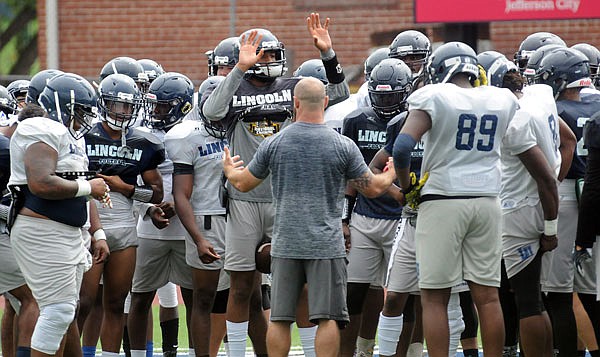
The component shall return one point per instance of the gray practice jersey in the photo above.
(309, 166)
(234, 94)
(188, 143)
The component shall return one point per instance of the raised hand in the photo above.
(319, 32)
(248, 57)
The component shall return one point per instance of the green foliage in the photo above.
(12, 51)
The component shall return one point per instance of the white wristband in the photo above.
(84, 188)
(99, 235)
(551, 227)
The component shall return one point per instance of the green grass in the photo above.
(183, 334)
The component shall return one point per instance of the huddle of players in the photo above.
(190, 223)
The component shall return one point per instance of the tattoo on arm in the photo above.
(362, 182)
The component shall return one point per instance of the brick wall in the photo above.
(176, 33)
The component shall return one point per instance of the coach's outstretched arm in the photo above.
(373, 185)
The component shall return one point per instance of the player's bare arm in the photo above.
(182, 192)
(319, 32)
(568, 141)
(40, 166)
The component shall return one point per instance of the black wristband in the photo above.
(349, 202)
(334, 71)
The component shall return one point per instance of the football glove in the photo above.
(482, 78)
(413, 194)
(579, 257)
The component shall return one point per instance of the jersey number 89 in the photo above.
(470, 128)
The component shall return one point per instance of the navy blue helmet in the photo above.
(170, 98)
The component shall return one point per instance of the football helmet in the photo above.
(214, 128)
(152, 70)
(119, 101)
(268, 71)
(170, 98)
(127, 66)
(412, 47)
(373, 60)
(226, 54)
(564, 68)
(593, 55)
(69, 98)
(312, 68)
(496, 65)
(532, 43)
(18, 89)
(534, 61)
(8, 104)
(390, 84)
(450, 59)
(37, 84)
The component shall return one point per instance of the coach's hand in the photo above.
(347, 238)
(548, 243)
(206, 252)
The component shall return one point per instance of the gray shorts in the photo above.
(326, 278)
(10, 274)
(121, 238)
(215, 235)
(586, 283)
(402, 274)
(158, 262)
(248, 223)
(458, 239)
(51, 257)
(372, 240)
(521, 231)
(558, 268)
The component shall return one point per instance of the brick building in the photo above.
(176, 33)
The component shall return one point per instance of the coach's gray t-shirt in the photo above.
(309, 164)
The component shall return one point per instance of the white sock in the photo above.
(388, 332)
(456, 324)
(364, 347)
(191, 352)
(415, 350)
(138, 353)
(307, 339)
(236, 338)
(114, 354)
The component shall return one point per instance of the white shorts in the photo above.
(52, 258)
(372, 240)
(521, 231)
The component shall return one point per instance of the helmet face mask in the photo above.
(8, 105)
(69, 99)
(120, 101)
(169, 100)
(390, 84)
(274, 50)
(412, 47)
(532, 43)
(224, 57)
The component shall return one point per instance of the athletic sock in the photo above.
(149, 348)
(23, 351)
(170, 330)
(109, 354)
(138, 353)
(88, 351)
(236, 338)
(388, 332)
(191, 352)
(307, 339)
(472, 352)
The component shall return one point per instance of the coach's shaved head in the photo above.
(310, 99)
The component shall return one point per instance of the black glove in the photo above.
(579, 257)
